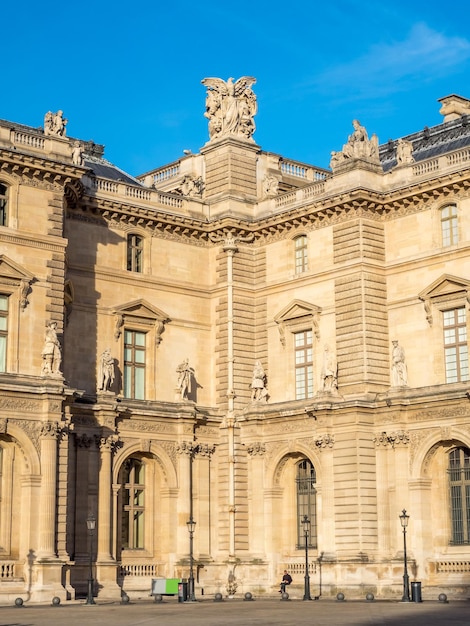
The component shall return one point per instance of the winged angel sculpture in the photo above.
(230, 107)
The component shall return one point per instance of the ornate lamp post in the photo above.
(191, 526)
(91, 525)
(306, 525)
(404, 518)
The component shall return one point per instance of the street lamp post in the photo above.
(91, 525)
(404, 518)
(306, 525)
(191, 526)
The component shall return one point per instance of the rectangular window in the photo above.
(449, 225)
(3, 332)
(134, 364)
(301, 256)
(303, 365)
(3, 205)
(455, 345)
(134, 253)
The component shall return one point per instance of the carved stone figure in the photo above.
(358, 146)
(190, 186)
(51, 353)
(329, 373)
(258, 383)
(399, 370)
(270, 186)
(106, 371)
(404, 152)
(230, 107)
(54, 123)
(184, 379)
(77, 154)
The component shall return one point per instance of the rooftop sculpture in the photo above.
(230, 107)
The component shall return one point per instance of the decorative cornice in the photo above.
(311, 214)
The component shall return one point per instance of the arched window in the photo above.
(459, 486)
(306, 502)
(301, 254)
(132, 496)
(449, 225)
(135, 251)
(3, 204)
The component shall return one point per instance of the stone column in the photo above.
(186, 450)
(257, 523)
(326, 498)
(202, 506)
(47, 509)
(107, 446)
(105, 564)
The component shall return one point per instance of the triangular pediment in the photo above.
(446, 285)
(295, 310)
(11, 270)
(143, 310)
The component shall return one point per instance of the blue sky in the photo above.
(128, 75)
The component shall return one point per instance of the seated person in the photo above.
(286, 580)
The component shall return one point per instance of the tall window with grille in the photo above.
(135, 249)
(303, 365)
(3, 204)
(133, 504)
(301, 254)
(306, 502)
(134, 364)
(449, 225)
(459, 485)
(3, 332)
(455, 345)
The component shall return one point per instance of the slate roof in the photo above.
(104, 169)
(430, 142)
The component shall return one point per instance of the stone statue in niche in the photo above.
(106, 371)
(230, 107)
(358, 146)
(329, 374)
(183, 385)
(54, 123)
(404, 152)
(51, 352)
(399, 369)
(258, 383)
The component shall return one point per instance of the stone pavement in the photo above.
(259, 612)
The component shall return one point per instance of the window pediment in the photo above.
(11, 270)
(444, 291)
(13, 275)
(297, 313)
(143, 315)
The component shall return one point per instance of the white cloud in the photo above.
(390, 67)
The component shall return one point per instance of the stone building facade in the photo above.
(242, 341)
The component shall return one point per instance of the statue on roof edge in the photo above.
(230, 107)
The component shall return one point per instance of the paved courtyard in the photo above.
(257, 612)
